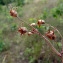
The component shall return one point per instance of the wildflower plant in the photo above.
(47, 36)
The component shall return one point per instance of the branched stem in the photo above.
(61, 38)
(55, 29)
(47, 41)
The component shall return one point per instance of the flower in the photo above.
(13, 13)
(50, 34)
(33, 24)
(40, 22)
(22, 30)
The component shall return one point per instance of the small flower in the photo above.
(13, 13)
(40, 22)
(33, 24)
(50, 34)
(22, 30)
(30, 33)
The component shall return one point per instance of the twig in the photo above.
(4, 59)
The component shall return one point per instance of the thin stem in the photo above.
(61, 38)
(55, 29)
(22, 20)
(49, 43)
(62, 50)
(4, 59)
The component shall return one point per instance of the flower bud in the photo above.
(22, 30)
(13, 13)
(30, 33)
(40, 22)
(33, 24)
(51, 35)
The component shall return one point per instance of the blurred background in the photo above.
(15, 48)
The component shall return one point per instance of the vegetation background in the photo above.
(15, 48)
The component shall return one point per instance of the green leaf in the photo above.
(59, 44)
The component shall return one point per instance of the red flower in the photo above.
(50, 34)
(40, 22)
(22, 30)
(13, 13)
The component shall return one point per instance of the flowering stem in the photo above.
(61, 38)
(49, 43)
(55, 29)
